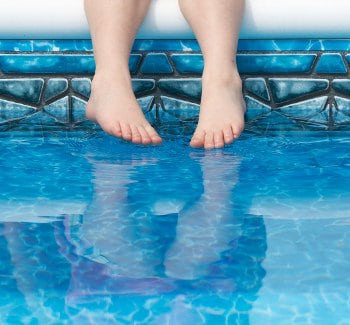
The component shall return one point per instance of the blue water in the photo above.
(97, 231)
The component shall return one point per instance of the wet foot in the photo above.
(113, 106)
(221, 118)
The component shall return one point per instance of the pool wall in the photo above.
(299, 83)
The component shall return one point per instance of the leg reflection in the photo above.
(205, 229)
(108, 233)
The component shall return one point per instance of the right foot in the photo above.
(114, 107)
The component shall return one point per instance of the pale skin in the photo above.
(112, 104)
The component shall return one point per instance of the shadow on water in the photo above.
(163, 235)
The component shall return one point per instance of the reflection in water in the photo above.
(200, 245)
(154, 236)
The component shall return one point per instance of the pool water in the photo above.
(97, 231)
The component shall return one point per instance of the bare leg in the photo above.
(112, 102)
(216, 25)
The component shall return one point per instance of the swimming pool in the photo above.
(97, 231)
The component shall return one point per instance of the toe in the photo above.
(136, 136)
(126, 131)
(116, 130)
(144, 135)
(218, 139)
(237, 130)
(209, 140)
(228, 135)
(156, 139)
(198, 138)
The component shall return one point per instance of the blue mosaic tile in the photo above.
(16, 45)
(294, 45)
(189, 45)
(55, 87)
(54, 63)
(156, 63)
(78, 109)
(13, 111)
(331, 45)
(341, 113)
(284, 89)
(46, 45)
(342, 86)
(134, 62)
(258, 87)
(255, 109)
(72, 45)
(140, 86)
(59, 109)
(275, 45)
(331, 63)
(82, 86)
(306, 109)
(25, 89)
(188, 63)
(347, 57)
(275, 63)
(178, 109)
(29, 63)
(190, 88)
(185, 45)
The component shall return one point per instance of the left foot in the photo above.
(221, 118)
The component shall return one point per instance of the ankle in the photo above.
(102, 79)
(224, 79)
(225, 74)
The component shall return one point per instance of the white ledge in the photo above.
(45, 19)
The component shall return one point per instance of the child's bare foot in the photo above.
(221, 118)
(113, 105)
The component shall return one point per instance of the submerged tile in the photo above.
(38, 119)
(190, 88)
(255, 109)
(342, 86)
(140, 86)
(78, 109)
(275, 121)
(307, 110)
(82, 86)
(11, 111)
(59, 109)
(258, 87)
(341, 114)
(155, 63)
(25, 89)
(284, 89)
(188, 63)
(275, 63)
(146, 104)
(178, 109)
(55, 87)
(331, 63)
